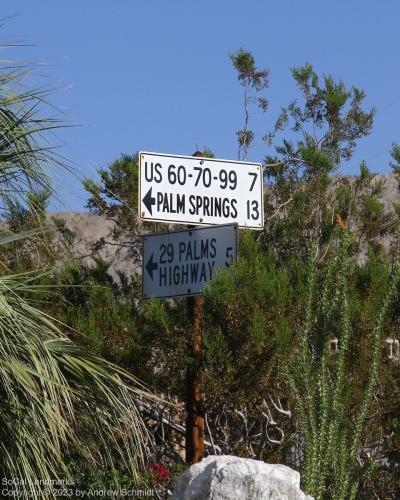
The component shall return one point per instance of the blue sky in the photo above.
(155, 75)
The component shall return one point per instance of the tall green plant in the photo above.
(319, 131)
(254, 81)
(331, 423)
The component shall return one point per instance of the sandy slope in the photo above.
(89, 228)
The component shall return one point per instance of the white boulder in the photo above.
(232, 478)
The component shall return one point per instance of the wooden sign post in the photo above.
(195, 435)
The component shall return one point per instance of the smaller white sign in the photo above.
(180, 263)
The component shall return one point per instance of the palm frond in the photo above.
(48, 385)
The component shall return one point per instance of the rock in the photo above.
(232, 478)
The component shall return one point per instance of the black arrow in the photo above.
(151, 266)
(149, 201)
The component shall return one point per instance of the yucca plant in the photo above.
(49, 388)
(331, 423)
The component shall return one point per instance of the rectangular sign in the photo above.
(181, 263)
(200, 191)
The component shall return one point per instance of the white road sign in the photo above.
(200, 191)
(181, 263)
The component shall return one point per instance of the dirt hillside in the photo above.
(89, 228)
